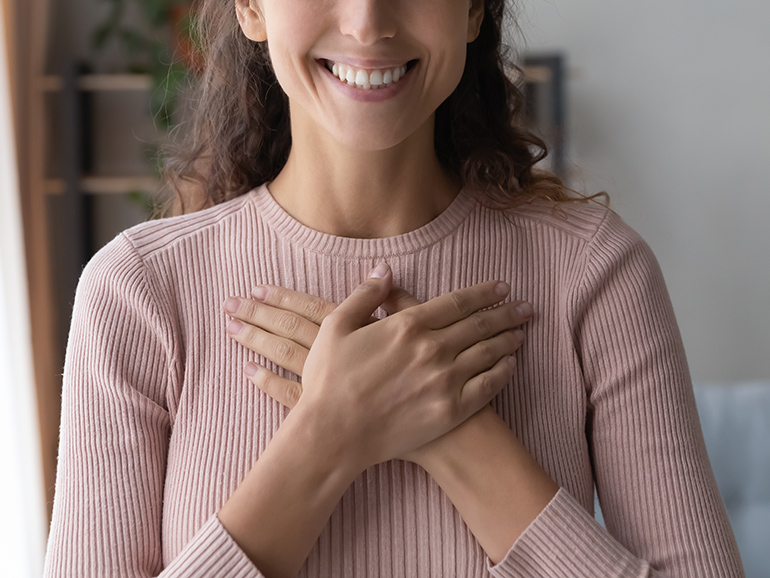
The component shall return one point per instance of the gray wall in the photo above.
(669, 112)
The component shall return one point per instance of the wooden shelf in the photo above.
(537, 74)
(143, 82)
(115, 185)
(100, 82)
(98, 185)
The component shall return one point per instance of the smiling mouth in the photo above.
(368, 79)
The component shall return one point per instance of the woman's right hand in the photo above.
(384, 389)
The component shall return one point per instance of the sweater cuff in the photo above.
(564, 540)
(212, 552)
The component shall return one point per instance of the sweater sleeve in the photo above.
(121, 362)
(659, 498)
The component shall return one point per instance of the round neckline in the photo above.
(291, 229)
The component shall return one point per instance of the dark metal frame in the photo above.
(553, 127)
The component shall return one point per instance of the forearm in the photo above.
(492, 480)
(283, 504)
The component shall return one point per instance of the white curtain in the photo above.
(22, 511)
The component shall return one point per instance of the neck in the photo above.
(365, 194)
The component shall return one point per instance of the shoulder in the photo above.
(586, 229)
(152, 237)
(134, 260)
(600, 230)
(596, 241)
(580, 220)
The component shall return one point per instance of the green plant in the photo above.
(149, 46)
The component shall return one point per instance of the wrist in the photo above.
(295, 484)
(324, 443)
(492, 480)
(443, 453)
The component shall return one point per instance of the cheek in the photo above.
(291, 67)
(446, 70)
(290, 37)
(445, 37)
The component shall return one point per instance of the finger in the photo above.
(485, 324)
(310, 307)
(281, 351)
(452, 307)
(355, 311)
(282, 390)
(481, 389)
(485, 354)
(279, 322)
(398, 300)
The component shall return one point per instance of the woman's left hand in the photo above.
(281, 325)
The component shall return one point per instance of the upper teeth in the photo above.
(365, 78)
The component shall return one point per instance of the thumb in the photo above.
(355, 311)
(398, 300)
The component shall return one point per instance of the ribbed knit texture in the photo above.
(159, 424)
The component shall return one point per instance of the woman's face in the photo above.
(368, 73)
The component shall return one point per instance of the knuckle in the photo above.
(487, 353)
(284, 353)
(292, 393)
(406, 325)
(461, 303)
(365, 287)
(332, 322)
(288, 324)
(447, 405)
(481, 323)
(451, 409)
(314, 309)
(487, 386)
(428, 350)
(246, 310)
(279, 297)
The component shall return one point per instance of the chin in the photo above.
(380, 136)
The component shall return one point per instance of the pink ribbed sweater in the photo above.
(159, 424)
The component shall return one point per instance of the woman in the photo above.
(383, 139)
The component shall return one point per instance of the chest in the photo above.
(394, 520)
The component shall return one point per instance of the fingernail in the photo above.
(259, 293)
(234, 327)
(511, 362)
(525, 309)
(379, 271)
(251, 369)
(502, 289)
(231, 305)
(519, 335)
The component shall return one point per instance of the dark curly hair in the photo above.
(239, 136)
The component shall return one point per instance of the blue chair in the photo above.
(736, 426)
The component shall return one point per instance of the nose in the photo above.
(367, 21)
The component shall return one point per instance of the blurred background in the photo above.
(663, 105)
